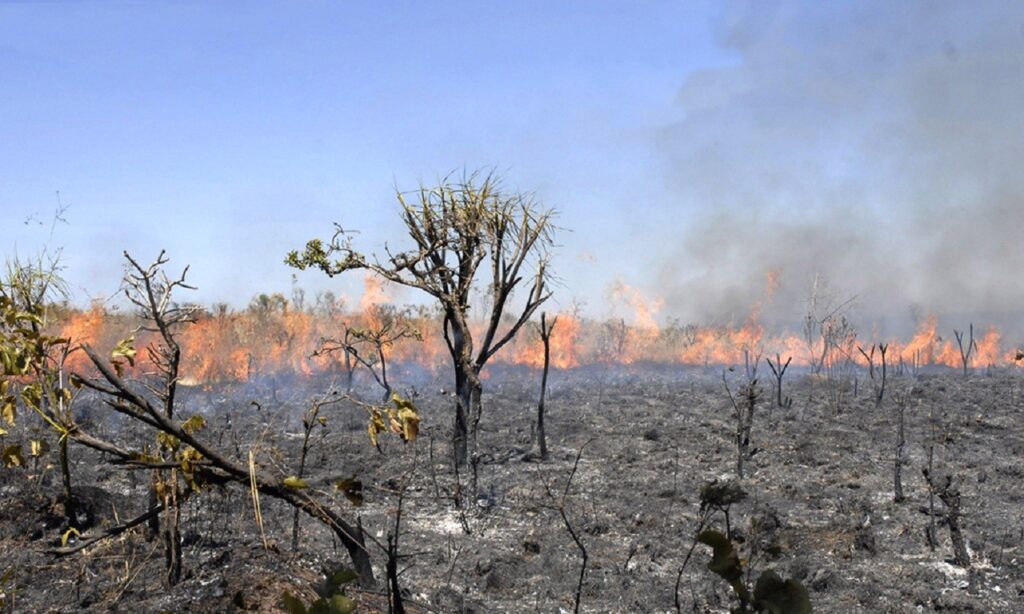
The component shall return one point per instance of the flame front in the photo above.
(271, 336)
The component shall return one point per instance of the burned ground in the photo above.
(819, 504)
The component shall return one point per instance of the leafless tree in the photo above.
(310, 420)
(968, 349)
(839, 337)
(744, 406)
(779, 370)
(562, 508)
(368, 345)
(613, 345)
(878, 375)
(545, 335)
(822, 322)
(902, 400)
(150, 290)
(949, 494)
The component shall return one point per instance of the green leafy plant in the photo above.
(32, 363)
(7, 590)
(331, 593)
(771, 594)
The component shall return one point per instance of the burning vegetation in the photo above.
(275, 335)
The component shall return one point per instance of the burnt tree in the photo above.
(187, 460)
(779, 370)
(901, 441)
(743, 405)
(369, 345)
(945, 489)
(877, 374)
(966, 350)
(545, 337)
(466, 234)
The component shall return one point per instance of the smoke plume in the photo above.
(877, 145)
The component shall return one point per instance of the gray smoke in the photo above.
(879, 145)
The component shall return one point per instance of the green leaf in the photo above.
(25, 316)
(405, 420)
(352, 488)
(10, 411)
(342, 604)
(295, 482)
(376, 425)
(32, 396)
(38, 447)
(292, 604)
(724, 561)
(12, 456)
(167, 441)
(336, 582)
(67, 535)
(194, 424)
(775, 596)
(124, 348)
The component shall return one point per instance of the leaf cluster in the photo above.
(28, 354)
(771, 594)
(460, 230)
(403, 419)
(332, 598)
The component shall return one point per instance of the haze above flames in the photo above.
(876, 144)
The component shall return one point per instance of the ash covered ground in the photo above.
(819, 503)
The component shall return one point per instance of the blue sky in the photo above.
(690, 147)
(229, 133)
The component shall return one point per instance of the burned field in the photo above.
(478, 454)
(817, 505)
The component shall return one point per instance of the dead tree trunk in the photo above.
(965, 352)
(744, 414)
(65, 476)
(950, 497)
(750, 397)
(460, 345)
(779, 370)
(476, 405)
(877, 376)
(883, 348)
(901, 405)
(172, 529)
(545, 336)
(930, 529)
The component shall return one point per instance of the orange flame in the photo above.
(271, 337)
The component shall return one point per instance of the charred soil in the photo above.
(819, 505)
